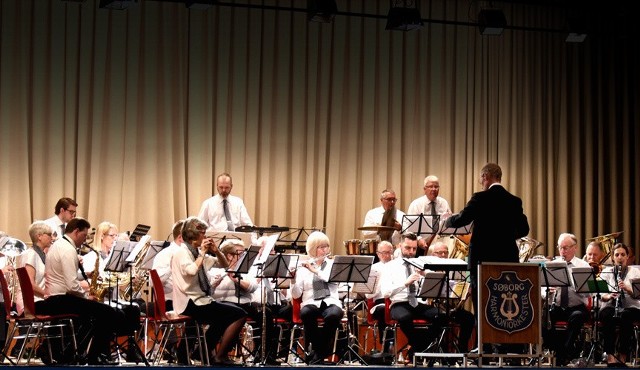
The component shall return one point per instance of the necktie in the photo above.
(62, 228)
(320, 287)
(564, 293)
(227, 215)
(411, 295)
(433, 208)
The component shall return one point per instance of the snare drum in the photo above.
(369, 246)
(352, 246)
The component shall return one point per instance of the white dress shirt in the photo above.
(162, 265)
(628, 301)
(31, 258)
(184, 273)
(226, 289)
(61, 269)
(378, 270)
(212, 213)
(423, 205)
(55, 223)
(374, 218)
(395, 275)
(303, 286)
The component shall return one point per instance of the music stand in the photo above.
(120, 258)
(244, 264)
(350, 269)
(278, 268)
(553, 274)
(449, 230)
(586, 281)
(295, 238)
(421, 224)
(635, 286)
(140, 231)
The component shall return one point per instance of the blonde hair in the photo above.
(315, 239)
(102, 230)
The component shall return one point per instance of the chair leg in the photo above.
(295, 346)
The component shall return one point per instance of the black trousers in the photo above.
(320, 339)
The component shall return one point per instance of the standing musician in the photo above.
(65, 210)
(385, 215)
(569, 306)
(192, 293)
(622, 307)
(431, 204)
(400, 283)
(319, 297)
(224, 211)
(65, 296)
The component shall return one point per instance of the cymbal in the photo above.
(376, 228)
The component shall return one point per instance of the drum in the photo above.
(352, 246)
(369, 246)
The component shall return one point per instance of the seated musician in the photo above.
(594, 255)
(621, 309)
(459, 314)
(238, 289)
(400, 284)
(64, 295)
(192, 293)
(385, 254)
(104, 241)
(570, 307)
(319, 298)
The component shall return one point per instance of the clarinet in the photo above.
(618, 304)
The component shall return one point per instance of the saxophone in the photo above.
(96, 288)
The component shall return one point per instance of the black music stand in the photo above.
(421, 224)
(586, 280)
(553, 274)
(350, 269)
(244, 264)
(140, 231)
(294, 239)
(120, 259)
(277, 268)
(219, 237)
(635, 286)
(462, 230)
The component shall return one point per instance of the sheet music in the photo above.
(266, 251)
(366, 288)
(138, 247)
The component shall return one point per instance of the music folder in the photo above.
(432, 284)
(585, 281)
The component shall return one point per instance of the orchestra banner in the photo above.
(510, 304)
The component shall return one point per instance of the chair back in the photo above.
(295, 305)
(160, 307)
(370, 305)
(6, 296)
(27, 292)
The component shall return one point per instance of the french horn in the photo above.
(527, 248)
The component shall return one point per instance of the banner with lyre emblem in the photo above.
(509, 300)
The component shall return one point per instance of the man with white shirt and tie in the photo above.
(431, 204)
(65, 210)
(400, 284)
(223, 211)
(570, 306)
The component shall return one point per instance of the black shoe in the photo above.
(272, 361)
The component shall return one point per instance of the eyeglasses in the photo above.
(111, 235)
(390, 199)
(72, 211)
(323, 246)
(565, 247)
(385, 253)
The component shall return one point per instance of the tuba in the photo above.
(527, 248)
(459, 249)
(12, 248)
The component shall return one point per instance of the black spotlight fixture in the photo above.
(116, 4)
(491, 22)
(404, 16)
(577, 27)
(199, 4)
(321, 10)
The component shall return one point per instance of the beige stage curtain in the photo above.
(133, 113)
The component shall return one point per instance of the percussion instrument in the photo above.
(369, 246)
(353, 246)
